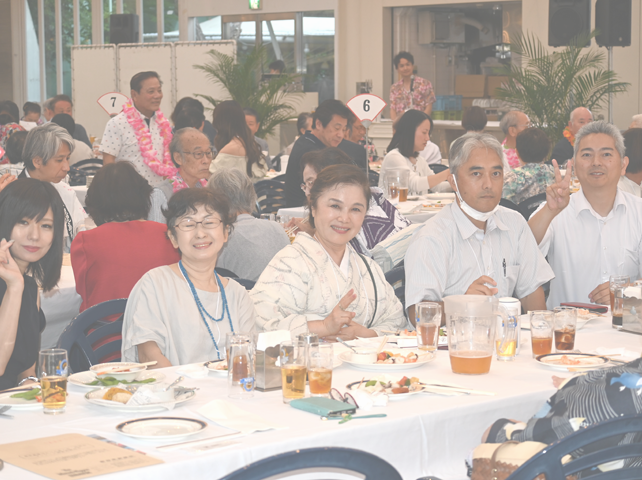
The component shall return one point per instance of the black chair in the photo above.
(89, 339)
(248, 284)
(438, 167)
(279, 178)
(528, 206)
(397, 278)
(270, 196)
(321, 459)
(508, 204)
(373, 178)
(549, 460)
(224, 272)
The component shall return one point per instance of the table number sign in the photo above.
(366, 107)
(113, 102)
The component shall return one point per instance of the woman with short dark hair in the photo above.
(110, 259)
(31, 229)
(411, 92)
(319, 284)
(180, 313)
(474, 120)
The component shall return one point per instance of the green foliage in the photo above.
(549, 86)
(242, 81)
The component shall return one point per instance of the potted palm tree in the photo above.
(549, 86)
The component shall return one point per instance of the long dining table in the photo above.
(424, 434)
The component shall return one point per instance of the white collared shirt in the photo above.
(419, 171)
(449, 253)
(629, 186)
(585, 248)
(120, 141)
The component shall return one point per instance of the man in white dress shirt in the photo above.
(596, 232)
(119, 141)
(474, 246)
(46, 157)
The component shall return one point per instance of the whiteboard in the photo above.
(93, 73)
(190, 80)
(158, 57)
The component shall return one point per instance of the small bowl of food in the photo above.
(120, 371)
(364, 356)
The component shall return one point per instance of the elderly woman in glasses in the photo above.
(180, 313)
(191, 153)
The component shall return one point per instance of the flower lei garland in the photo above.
(143, 136)
(569, 136)
(179, 184)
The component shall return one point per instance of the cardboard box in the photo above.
(466, 102)
(470, 85)
(493, 83)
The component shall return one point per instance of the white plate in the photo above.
(216, 371)
(81, 379)
(96, 397)
(393, 397)
(19, 403)
(161, 428)
(587, 362)
(105, 370)
(582, 320)
(439, 196)
(388, 367)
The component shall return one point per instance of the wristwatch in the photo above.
(27, 378)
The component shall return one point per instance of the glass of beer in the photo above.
(293, 370)
(541, 332)
(565, 322)
(240, 367)
(471, 343)
(320, 360)
(53, 371)
(617, 283)
(397, 185)
(428, 316)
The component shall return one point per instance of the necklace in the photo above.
(201, 308)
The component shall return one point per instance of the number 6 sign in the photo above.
(112, 102)
(366, 106)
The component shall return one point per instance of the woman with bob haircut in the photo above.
(235, 143)
(411, 136)
(32, 220)
(180, 313)
(110, 259)
(319, 284)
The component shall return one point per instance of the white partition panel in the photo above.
(93, 73)
(189, 80)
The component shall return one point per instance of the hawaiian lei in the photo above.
(569, 136)
(164, 168)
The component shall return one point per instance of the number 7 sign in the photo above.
(113, 102)
(366, 106)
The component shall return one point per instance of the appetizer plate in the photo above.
(96, 397)
(393, 397)
(439, 196)
(387, 367)
(105, 370)
(218, 368)
(81, 379)
(161, 428)
(569, 362)
(19, 403)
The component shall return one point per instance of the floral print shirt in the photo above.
(525, 182)
(511, 155)
(402, 100)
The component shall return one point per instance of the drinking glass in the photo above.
(616, 283)
(293, 370)
(240, 369)
(428, 316)
(541, 332)
(506, 341)
(52, 372)
(397, 185)
(320, 360)
(267, 216)
(565, 323)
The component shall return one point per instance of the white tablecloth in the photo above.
(60, 306)
(422, 435)
(81, 193)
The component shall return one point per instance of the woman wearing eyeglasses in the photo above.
(180, 313)
(110, 259)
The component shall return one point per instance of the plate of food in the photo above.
(218, 367)
(388, 360)
(440, 196)
(396, 388)
(22, 399)
(118, 370)
(117, 399)
(88, 379)
(571, 361)
(161, 428)
(584, 316)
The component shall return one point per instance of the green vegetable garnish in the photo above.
(111, 381)
(407, 383)
(30, 395)
(371, 383)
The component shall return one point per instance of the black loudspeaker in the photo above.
(123, 28)
(568, 19)
(613, 22)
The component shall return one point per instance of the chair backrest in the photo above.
(90, 339)
(549, 460)
(248, 284)
(438, 167)
(373, 178)
(397, 278)
(528, 206)
(94, 163)
(330, 458)
(508, 204)
(224, 272)
(271, 195)
(279, 178)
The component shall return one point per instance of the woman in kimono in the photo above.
(319, 284)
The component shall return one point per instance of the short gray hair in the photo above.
(44, 142)
(176, 145)
(601, 127)
(637, 120)
(237, 187)
(509, 120)
(47, 104)
(463, 147)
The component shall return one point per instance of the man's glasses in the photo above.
(188, 225)
(198, 154)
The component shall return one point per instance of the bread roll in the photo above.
(117, 395)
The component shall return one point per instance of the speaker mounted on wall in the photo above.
(613, 23)
(566, 20)
(123, 28)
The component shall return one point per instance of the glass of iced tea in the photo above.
(541, 332)
(53, 371)
(293, 370)
(320, 360)
(471, 343)
(428, 316)
(565, 322)
(616, 284)
(240, 367)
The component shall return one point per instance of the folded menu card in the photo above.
(72, 456)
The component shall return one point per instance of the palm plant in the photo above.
(242, 81)
(549, 86)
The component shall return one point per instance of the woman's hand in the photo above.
(9, 271)
(354, 330)
(5, 180)
(338, 317)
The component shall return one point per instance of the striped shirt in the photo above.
(449, 253)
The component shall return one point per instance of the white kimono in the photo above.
(302, 283)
